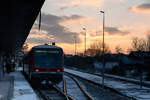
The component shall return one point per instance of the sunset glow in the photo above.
(62, 20)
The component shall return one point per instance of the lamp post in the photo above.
(103, 49)
(85, 42)
(75, 52)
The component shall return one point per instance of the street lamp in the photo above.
(85, 42)
(103, 49)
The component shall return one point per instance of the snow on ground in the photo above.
(129, 89)
(128, 79)
(1, 96)
(19, 68)
(73, 90)
(109, 65)
(22, 89)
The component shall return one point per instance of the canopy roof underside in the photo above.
(17, 18)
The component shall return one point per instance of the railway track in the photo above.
(75, 89)
(95, 94)
(63, 92)
(71, 88)
(51, 93)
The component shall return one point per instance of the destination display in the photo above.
(41, 51)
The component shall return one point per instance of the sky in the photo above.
(62, 20)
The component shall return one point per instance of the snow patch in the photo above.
(127, 88)
(1, 96)
(109, 65)
(22, 89)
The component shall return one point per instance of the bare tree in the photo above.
(129, 50)
(118, 49)
(139, 44)
(135, 43)
(106, 49)
(95, 49)
(148, 42)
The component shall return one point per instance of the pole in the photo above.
(103, 60)
(75, 45)
(85, 42)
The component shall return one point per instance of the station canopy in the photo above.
(16, 20)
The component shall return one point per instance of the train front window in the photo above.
(48, 58)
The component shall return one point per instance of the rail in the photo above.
(81, 88)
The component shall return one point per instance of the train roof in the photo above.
(46, 46)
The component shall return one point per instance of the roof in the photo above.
(46, 46)
(17, 18)
(139, 54)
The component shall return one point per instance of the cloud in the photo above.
(115, 30)
(73, 18)
(87, 2)
(95, 33)
(52, 19)
(121, 31)
(148, 32)
(77, 3)
(52, 30)
(64, 7)
(66, 4)
(37, 40)
(109, 31)
(39, 37)
(144, 8)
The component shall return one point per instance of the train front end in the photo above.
(48, 64)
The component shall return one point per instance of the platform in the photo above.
(6, 87)
(15, 87)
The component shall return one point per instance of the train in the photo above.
(44, 63)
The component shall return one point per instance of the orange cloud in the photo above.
(87, 2)
(76, 3)
(119, 31)
(143, 8)
(109, 39)
(74, 19)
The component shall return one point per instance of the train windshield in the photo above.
(48, 58)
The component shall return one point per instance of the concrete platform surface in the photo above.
(15, 87)
(6, 87)
(22, 89)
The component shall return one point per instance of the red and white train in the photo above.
(44, 62)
